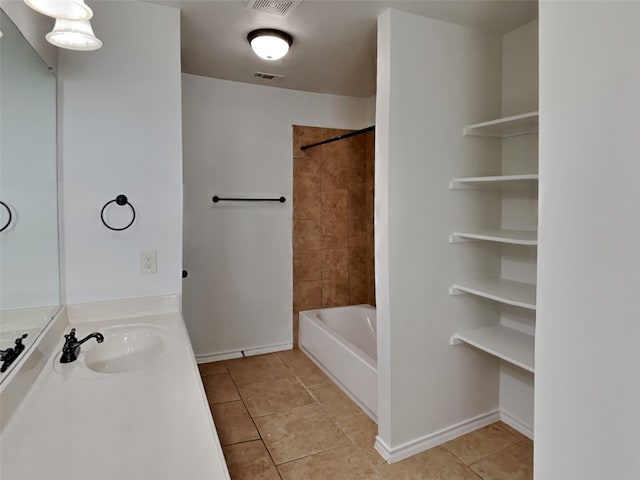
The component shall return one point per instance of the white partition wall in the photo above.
(430, 391)
(587, 398)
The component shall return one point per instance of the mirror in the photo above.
(29, 262)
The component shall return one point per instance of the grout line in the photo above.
(222, 403)
(495, 453)
(257, 429)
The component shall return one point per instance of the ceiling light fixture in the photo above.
(73, 35)
(269, 43)
(66, 9)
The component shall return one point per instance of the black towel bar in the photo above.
(217, 199)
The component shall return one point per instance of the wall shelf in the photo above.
(500, 290)
(498, 181)
(513, 237)
(506, 343)
(512, 126)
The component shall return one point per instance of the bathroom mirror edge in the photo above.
(29, 246)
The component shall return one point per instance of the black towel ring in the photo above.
(121, 200)
(6, 225)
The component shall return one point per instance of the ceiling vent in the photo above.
(268, 76)
(280, 8)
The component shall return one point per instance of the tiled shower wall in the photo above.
(333, 254)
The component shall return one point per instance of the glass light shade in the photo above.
(66, 9)
(270, 44)
(73, 35)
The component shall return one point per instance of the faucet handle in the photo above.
(71, 335)
(18, 340)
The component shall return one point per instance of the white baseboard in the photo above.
(247, 352)
(516, 424)
(434, 439)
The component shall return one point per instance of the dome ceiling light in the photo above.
(66, 9)
(73, 35)
(270, 44)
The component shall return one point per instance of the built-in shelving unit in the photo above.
(498, 181)
(506, 343)
(512, 126)
(518, 294)
(509, 344)
(513, 237)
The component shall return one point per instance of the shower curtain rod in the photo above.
(339, 137)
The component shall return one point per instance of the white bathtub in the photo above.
(342, 341)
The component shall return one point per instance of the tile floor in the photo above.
(280, 417)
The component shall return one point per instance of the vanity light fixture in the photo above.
(270, 44)
(65, 9)
(73, 35)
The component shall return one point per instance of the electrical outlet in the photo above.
(148, 261)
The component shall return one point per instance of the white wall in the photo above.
(29, 274)
(371, 110)
(121, 133)
(519, 209)
(587, 411)
(34, 27)
(425, 385)
(238, 142)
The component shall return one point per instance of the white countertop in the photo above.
(152, 423)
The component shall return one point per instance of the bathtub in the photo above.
(342, 342)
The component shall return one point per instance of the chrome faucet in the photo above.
(71, 348)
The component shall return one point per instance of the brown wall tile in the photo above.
(358, 292)
(335, 292)
(333, 219)
(307, 204)
(306, 181)
(357, 201)
(358, 259)
(306, 165)
(307, 265)
(307, 235)
(307, 295)
(335, 232)
(357, 171)
(335, 263)
(335, 204)
(335, 170)
(359, 226)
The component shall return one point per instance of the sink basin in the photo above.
(126, 348)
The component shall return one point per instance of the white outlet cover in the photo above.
(148, 261)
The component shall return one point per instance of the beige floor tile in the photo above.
(480, 444)
(334, 400)
(299, 433)
(513, 463)
(220, 388)
(307, 371)
(434, 464)
(250, 461)
(272, 396)
(343, 463)
(257, 368)
(362, 432)
(510, 429)
(213, 368)
(233, 423)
